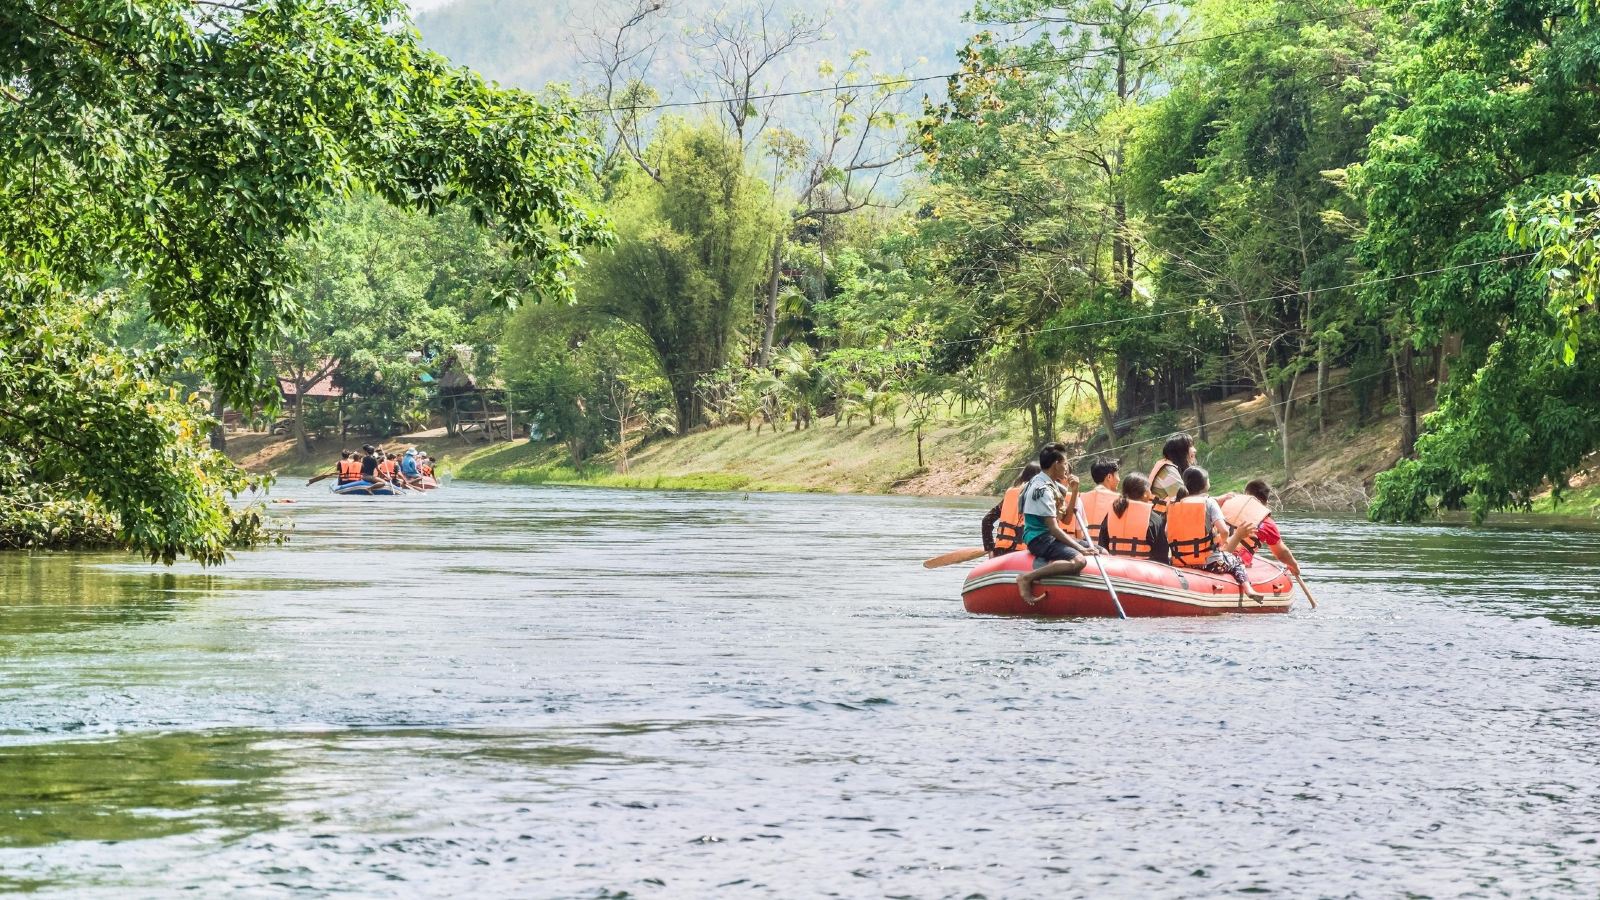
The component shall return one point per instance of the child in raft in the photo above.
(1213, 539)
(1054, 551)
(1136, 490)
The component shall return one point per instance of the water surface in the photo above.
(546, 692)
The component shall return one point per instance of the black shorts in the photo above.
(1046, 549)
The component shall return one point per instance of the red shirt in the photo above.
(1267, 534)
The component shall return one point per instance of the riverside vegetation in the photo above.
(1110, 217)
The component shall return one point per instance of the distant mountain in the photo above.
(528, 43)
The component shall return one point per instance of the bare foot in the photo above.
(1025, 588)
(1255, 596)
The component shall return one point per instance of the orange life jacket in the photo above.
(1129, 533)
(1242, 510)
(1008, 531)
(387, 468)
(1069, 517)
(1187, 536)
(349, 470)
(1096, 506)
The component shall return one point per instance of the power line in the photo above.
(1270, 406)
(1289, 295)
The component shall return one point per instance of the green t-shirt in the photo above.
(1033, 526)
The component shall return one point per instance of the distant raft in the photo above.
(364, 489)
(1146, 589)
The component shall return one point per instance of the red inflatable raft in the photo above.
(1145, 588)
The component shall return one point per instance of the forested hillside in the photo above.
(1112, 212)
(529, 43)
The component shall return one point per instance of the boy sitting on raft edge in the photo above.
(1054, 551)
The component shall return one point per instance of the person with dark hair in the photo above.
(1132, 526)
(1054, 551)
(1002, 527)
(1097, 502)
(1198, 535)
(1166, 478)
(349, 468)
(1252, 508)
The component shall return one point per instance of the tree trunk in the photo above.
(1405, 390)
(920, 463)
(1199, 413)
(301, 437)
(1322, 387)
(219, 436)
(771, 317)
(1106, 418)
(1449, 349)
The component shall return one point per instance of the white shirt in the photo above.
(1042, 496)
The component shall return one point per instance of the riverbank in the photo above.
(975, 456)
(971, 456)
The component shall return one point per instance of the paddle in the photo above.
(954, 556)
(1302, 582)
(1100, 562)
(323, 477)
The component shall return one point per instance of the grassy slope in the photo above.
(966, 458)
(972, 457)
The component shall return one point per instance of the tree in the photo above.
(1232, 172)
(184, 147)
(1503, 108)
(688, 258)
(1112, 55)
(583, 377)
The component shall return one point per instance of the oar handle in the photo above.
(1100, 563)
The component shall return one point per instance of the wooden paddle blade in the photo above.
(323, 477)
(955, 556)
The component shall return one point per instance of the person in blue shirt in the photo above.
(1054, 551)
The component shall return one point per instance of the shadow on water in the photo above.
(136, 787)
(66, 592)
(156, 785)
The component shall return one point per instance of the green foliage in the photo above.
(582, 377)
(689, 255)
(97, 445)
(182, 150)
(1502, 109)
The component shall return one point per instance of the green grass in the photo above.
(855, 458)
(1581, 502)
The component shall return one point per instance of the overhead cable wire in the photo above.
(1198, 310)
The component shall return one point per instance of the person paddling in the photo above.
(1251, 507)
(409, 467)
(369, 466)
(1197, 533)
(1002, 527)
(1054, 551)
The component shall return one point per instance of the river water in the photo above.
(546, 692)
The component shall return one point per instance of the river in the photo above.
(548, 692)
